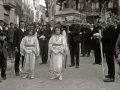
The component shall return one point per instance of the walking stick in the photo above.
(101, 48)
(65, 60)
(66, 52)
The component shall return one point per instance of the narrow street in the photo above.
(87, 77)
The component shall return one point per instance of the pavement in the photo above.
(87, 77)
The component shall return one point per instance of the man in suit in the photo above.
(97, 51)
(18, 36)
(73, 41)
(44, 36)
(109, 41)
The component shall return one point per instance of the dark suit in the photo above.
(109, 41)
(97, 51)
(44, 44)
(18, 36)
(73, 40)
(3, 57)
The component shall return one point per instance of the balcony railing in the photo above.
(9, 3)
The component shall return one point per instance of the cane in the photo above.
(65, 60)
(101, 48)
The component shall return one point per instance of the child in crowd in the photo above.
(57, 49)
(3, 55)
(29, 47)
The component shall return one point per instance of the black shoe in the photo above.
(106, 76)
(95, 63)
(83, 56)
(71, 65)
(109, 80)
(17, 74)
(77, 67)
(0, 80)
(4, 78)
(42, 63)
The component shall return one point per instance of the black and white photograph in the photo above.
(59, 44)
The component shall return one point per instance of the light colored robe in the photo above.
(57, 50)
(29, 47)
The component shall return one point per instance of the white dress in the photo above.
(57, 50)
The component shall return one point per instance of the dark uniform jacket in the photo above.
(18, 36)
(109, 39)
(3, 49)
(47, 33)
(75, 33)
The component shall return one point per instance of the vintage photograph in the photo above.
(60, 44)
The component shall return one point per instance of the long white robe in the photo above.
(57, 50)
(29, 47)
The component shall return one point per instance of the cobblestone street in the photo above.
(87, 77)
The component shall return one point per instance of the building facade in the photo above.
(53, 8)
(92, 9)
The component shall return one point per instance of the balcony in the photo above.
(9, 3)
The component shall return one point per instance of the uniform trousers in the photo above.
(44, 53)
(74, 51)
(17, 61)
(3, 65)
(110, 64)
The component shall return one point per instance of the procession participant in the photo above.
(97, 51)
(109, 41)
(3, 55)
(29, 48)
(44, 36)
(1, 26)
(57, 49)
(18, 35)
(83, 40)
(37, 30)
(10, 36)
(87, 40)
(73, 41)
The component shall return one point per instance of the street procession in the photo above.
(60, 44)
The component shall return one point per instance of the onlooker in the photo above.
(18, 36)
(10, 36)
(73, 41)
(3, 55)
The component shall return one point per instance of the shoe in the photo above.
(0, 80)
(24, 77)
(94, 63)
(109, 80)
(32, 77)
(100, 63)
(60, 78)
(71, 65)
(77, 67)
(42, 63)
(106, 76)
(4, 78)
(53, 78)
(17, 74)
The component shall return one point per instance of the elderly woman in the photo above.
(57, 49)
(29, 47)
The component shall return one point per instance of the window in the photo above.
(97, 5)
(93, 5)
(110, 4)
(80, 6)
